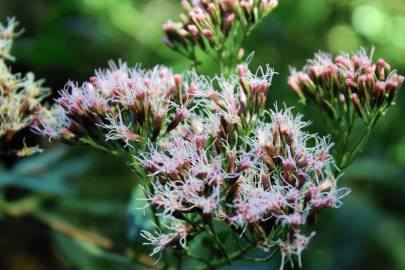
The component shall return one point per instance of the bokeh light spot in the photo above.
(368, 20)
(397, 32)
(342, 38)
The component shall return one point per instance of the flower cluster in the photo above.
(121, 105)
(127, 106)
(208, 24)
(266, 180)
(213, 153)
(241, 98)
(348, 80)
(20, 95)
(347, 88)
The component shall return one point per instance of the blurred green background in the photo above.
(68, 39)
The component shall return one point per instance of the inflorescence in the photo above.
(211, 159)
(266, 180)
(348, 80)
(207, 152)
(267, 186)
(218, 27)
(20, 95)
(121, 107)
(347, 88)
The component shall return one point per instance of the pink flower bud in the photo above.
(213, 11)
(362, 80)
(200, 141)
(242, 71)
(183, 33)
(228, 5)
(356, 102)
(382, 69)
(266, 182)
(228, 23)
(208, 33)
(186, 5)
(293, 83)
(66, 134)
(270, 5)
(178, 81)
(231, 158)
(193, 30)
(180, 115)
(343, 61)
(244, 165)
(342, 98)
(379, 89)
(93, 79)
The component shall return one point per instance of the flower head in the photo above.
(122, 104)
(20, 95)
(275, 180)
(209, 24)
(294, 246)
(7, 35)
(348, 81)
(348, 88)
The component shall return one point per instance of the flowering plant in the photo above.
(218, 28)
(20, 96)
(348, 89)
(219, 171)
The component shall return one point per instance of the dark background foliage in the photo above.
(68, 39)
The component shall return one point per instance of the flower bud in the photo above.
(67, 135)
(288, 168)
(269, 5)
(229, 19)
(231, 158)
(228, 5)
(382, 69)
(193, 30)
(200, 141)
(244, 165)
(356, 103)
(186, 5)
(157, 124)
(342, 98)
(184, 19)
(208, 34)
(180, 115)
(265, 179)
(178, 82)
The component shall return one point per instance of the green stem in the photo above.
(223, 262)
(179, 258)
(265, 259)
(342, 149)
(95, 145)
(144, 180)
(361, 144)
(153, 210)
(205, 261)
(359, 147)
(214, 236)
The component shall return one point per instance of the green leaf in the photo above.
(138, 219)
(34, 183)
(38, 162)
(86, 256)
